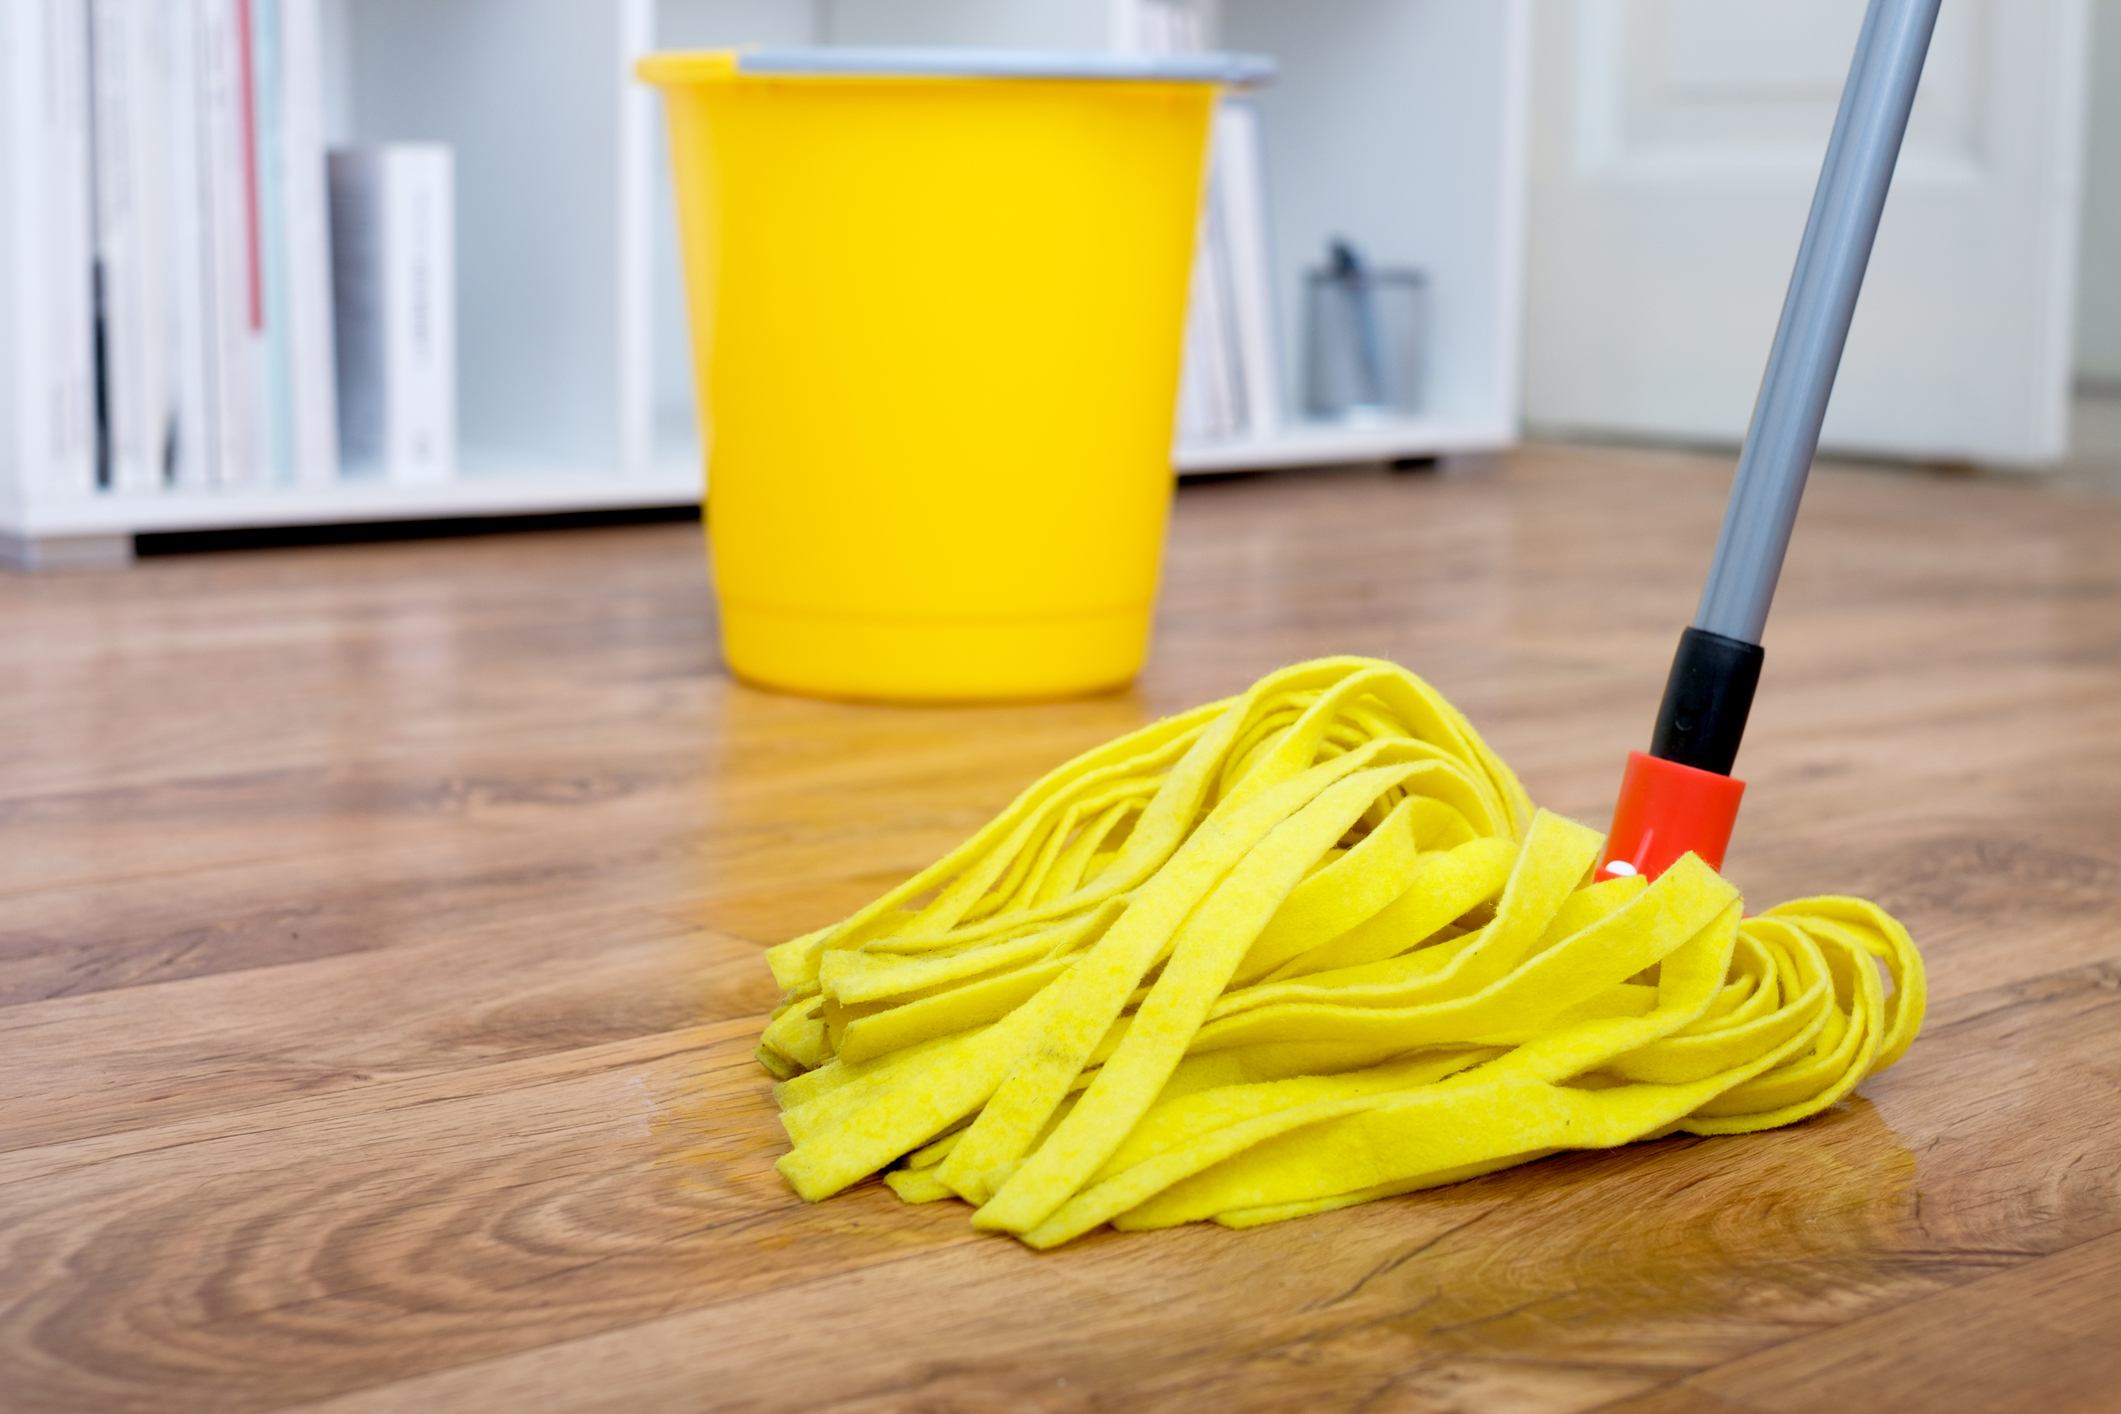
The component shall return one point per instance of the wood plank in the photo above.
(1561, 1285)
(2039, 1336)
(378, 971)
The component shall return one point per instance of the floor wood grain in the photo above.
(379, 934)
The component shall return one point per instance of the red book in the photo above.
(250, 165)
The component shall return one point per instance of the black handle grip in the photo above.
(1706, 700)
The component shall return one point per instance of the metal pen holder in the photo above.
(1366, 331)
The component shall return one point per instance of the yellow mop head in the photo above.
(1299, 949)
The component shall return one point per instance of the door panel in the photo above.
(1675, 147)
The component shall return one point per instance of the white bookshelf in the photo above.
(1397, 122)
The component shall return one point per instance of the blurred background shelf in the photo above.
(1399, 123)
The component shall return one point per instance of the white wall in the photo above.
(2099, 278)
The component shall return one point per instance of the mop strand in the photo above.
(1302, 948)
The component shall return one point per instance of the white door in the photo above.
(1675, 144)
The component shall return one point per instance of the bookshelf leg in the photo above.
(64, 552)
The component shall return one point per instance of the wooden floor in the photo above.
(379, 934)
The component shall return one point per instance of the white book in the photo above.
(132, 363)
(393, 249)
(268, 158)
(26, 441)
(148, 31)
(307, 229)
(1201, 410)
(1211, 348)
(1192, 421)
(191, 252)
(47, 369)
(70, 249)
(1205, 390)
(1240, 193)
(234, 309)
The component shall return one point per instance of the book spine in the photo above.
(247, 115)
(25, 396)
(268, 159)
(125, 455)
(351, 186)
(191, 251)
(149, 32)
(47, 373)
(1208, 394)
(421, 294)
(307, 244)
(1241, 190)
(223, 162)
(1214, 348)
(1203, 410)
(68, 278)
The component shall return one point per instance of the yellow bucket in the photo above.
(936, 302)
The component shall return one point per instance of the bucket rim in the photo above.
(1229, 70)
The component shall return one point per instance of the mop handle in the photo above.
(1784, 435)
(1718, 663)
(1681, 796)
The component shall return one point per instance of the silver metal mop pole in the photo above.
(1718, 663)
(1784, 435)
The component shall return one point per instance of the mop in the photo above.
(1313, 945)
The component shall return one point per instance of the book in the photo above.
(1210, 353)
(1240, 194)
(134, 313)
(393, 254)
(268, 161)
(1204, 412)
(306, 235)
(191, 255)
(1230, 384)
(47, 369)
(233, 300)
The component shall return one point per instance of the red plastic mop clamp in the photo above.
(1666, 810)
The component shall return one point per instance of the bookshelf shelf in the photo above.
(1396, 122)
(524, 492)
